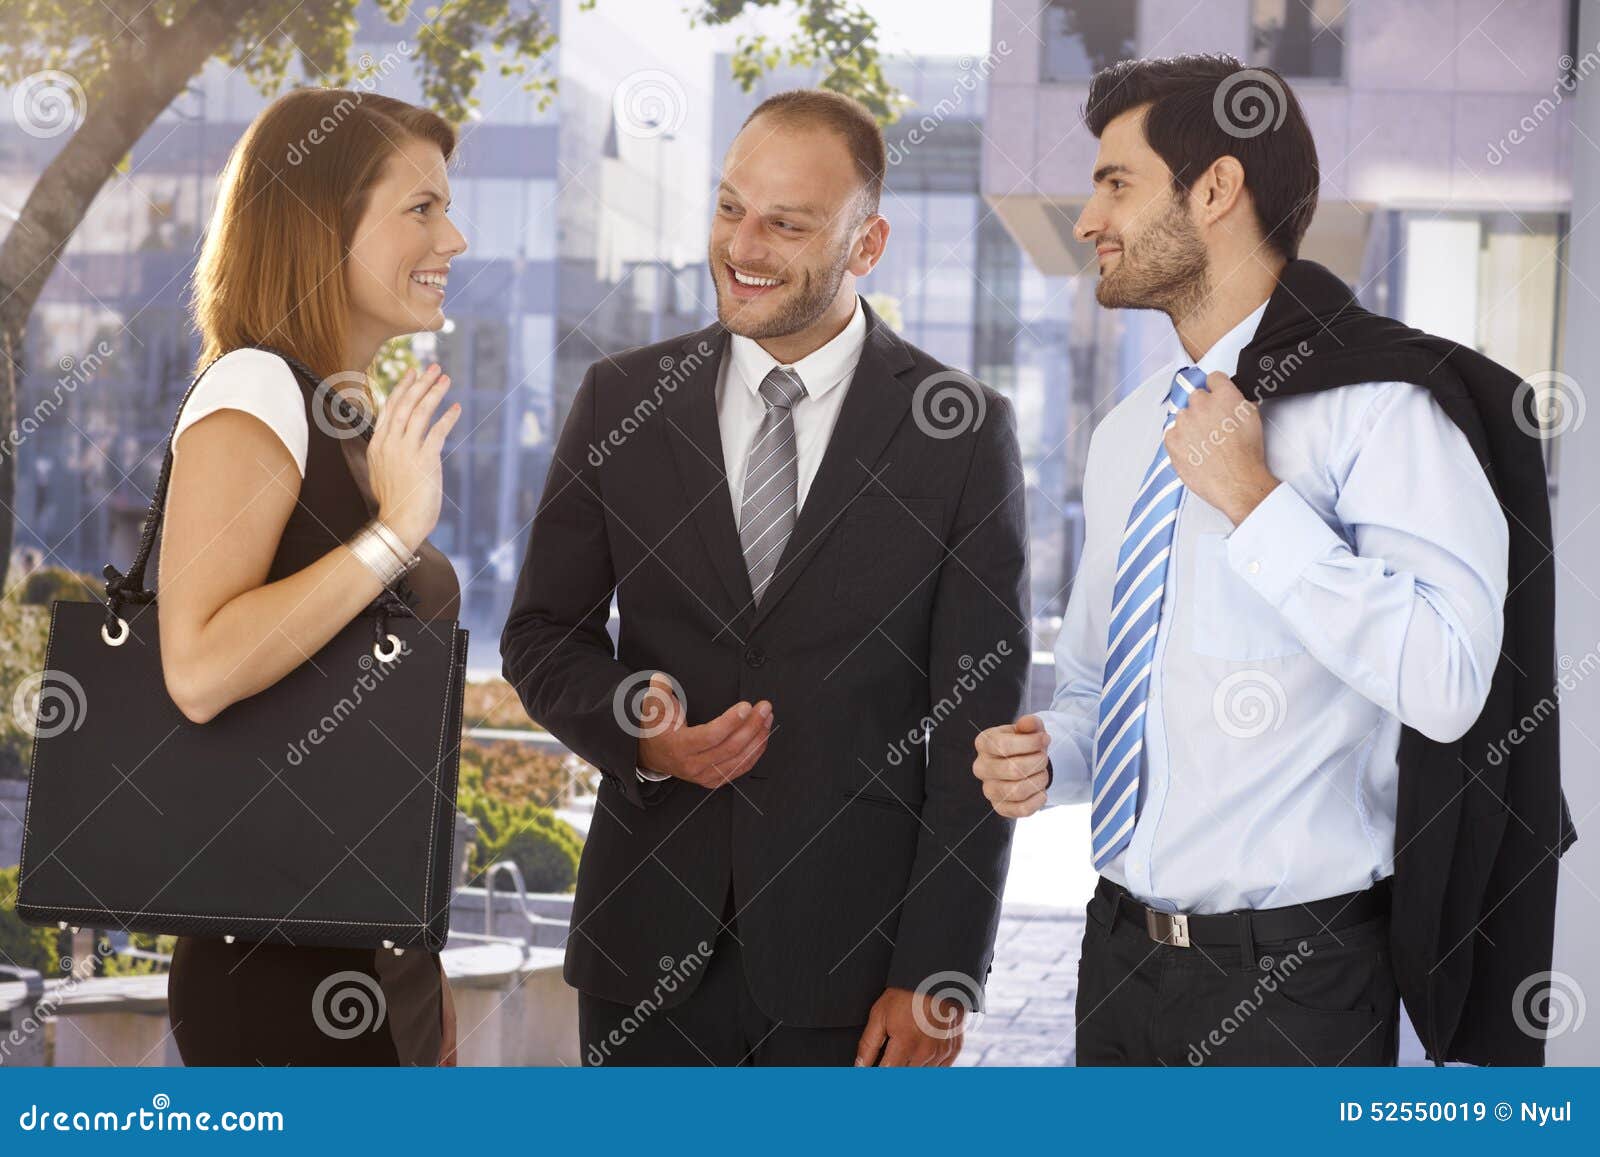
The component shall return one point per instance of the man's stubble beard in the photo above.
(1166, 269)
(813, 295)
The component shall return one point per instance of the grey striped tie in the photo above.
(771, 480)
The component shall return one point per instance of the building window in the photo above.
(1301, 39)
(1083, 36)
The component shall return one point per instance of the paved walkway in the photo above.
(1027, 1018)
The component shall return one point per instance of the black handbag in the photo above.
(319, 811)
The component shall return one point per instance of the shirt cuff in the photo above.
(1277, 541)
(650, 776)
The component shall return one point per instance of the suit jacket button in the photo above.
(755, 656)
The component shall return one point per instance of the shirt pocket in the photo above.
(1229, 620)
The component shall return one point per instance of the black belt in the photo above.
(1247, 925)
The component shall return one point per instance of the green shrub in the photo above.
(49, 583)
(22, 944)
(23, 633)
(136, 966)
(541, 843)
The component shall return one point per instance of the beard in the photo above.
(805, 300)
(1163, 267)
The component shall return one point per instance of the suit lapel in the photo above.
(696, 440)
(873, 408)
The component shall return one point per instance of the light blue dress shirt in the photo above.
(1364, 592)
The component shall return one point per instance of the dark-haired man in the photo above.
(781, 869)
(1288, 616)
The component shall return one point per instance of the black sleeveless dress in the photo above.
(273, 1004)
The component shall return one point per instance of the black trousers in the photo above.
(1329, 998)
(719, 1023)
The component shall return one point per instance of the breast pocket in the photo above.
(1229, 619)
(889, 550)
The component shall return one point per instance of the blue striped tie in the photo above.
(1131, 641)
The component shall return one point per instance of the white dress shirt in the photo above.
(1365, 591)
(826, 372)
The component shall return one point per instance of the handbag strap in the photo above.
(130, 588)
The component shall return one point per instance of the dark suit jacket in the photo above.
(858, 859)
(1480, 822)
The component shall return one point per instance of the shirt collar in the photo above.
(1223, 356)
(820, 370)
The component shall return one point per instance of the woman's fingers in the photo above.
(426, 403)
(436, 436)
(400, 402)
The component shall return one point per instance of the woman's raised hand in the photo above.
(404, 455)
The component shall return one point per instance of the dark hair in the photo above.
(841, 114)
(1204, 106)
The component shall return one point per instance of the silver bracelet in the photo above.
(408, 559)
(380, 560)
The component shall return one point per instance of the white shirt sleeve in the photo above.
(258, 383)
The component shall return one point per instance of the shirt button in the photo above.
(1254, 567)
(755, 656)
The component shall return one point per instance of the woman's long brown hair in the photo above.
(271, 270)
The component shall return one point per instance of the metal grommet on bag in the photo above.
(120, 639)
(377, 649)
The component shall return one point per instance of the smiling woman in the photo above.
(283, 524)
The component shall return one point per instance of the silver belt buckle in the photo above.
(1167, 927)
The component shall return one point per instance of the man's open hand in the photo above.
(711, 754)
(912, 1028)
(1013, 764)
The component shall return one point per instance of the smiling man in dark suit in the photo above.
(815, 536)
